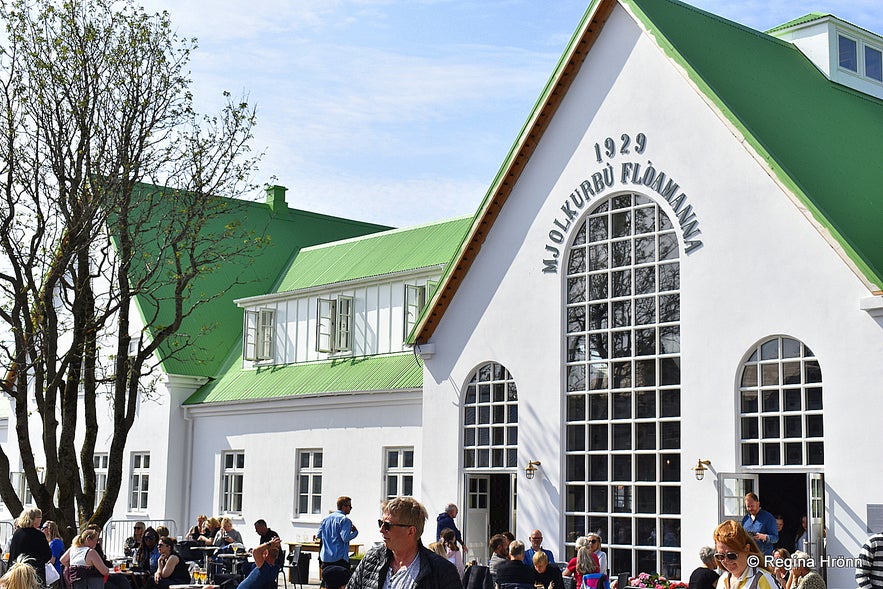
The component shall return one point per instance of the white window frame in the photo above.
(861, 47)
(415, 300)
(100, 463)
(308, 482)
(399, 471)
(259, 335)
(334, 325)
(232, 478)
(139, 479)
(23, 490)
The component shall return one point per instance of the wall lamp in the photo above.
(700, 468)
(531, 469)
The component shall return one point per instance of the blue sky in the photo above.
(400, 111)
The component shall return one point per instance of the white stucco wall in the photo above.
(763, 270)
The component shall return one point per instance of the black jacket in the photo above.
(435, 572)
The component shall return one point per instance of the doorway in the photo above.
(785, 494)
(490, 509)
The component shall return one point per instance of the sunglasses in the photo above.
(387, 526)
(593, 541)
(726, 555)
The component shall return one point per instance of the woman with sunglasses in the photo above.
(741, 559)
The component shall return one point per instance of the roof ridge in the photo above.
(388, 232)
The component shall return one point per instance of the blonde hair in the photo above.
(540, 558)
(28, 517)
(585, 562)
(20, 575)
(84, 537)
(439, 548)
(409, 511)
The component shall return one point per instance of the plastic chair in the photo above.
(280, 559)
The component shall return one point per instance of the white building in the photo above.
(679, 267)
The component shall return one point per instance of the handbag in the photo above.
(51, 574)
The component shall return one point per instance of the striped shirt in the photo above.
(751, 578)
(869, 572)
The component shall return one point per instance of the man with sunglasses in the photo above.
(335, 533)
(402, 562)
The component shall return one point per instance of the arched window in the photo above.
(490, 419)
(780, 405)
(622, 444)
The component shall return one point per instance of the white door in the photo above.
(477, 516)
(815, 515)
(731, 490)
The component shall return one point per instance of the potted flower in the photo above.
(655, 581)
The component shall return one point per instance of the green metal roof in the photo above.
(379, 254)
(350, 375)
(799, 21)
(216, 323)
(821, 139)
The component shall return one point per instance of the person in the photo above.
(335, 577)
(335, 532)
(81, 561)
(210, 530)
(402, 562)
(445, 520)
(56, 544)
(266, 566)
(147, 555)
(133, 542)
(20, 576)
(595, 548)
(98, 548)
(196, 531)
(570, 569)
(587, 572)
(802, 577)
(171, 569)
(439, 548)
(30, 541)
(781, 560)
(784, 541)
(227, 535)
(515, 570)
(536, 545)
(478, 576)
(801, 542)
(760, 524)
(499, 546)
(452, 551)
(265, 533)
(869, 570)
(544, 574)
(705, 577)
(733, 546)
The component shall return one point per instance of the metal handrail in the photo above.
(115, 532)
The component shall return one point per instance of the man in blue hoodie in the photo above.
(445, 520)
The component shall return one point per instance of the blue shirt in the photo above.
(763, 523)
(335, 532)
(528, 556)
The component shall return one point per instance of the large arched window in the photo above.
(780, 402)
(490, 419)
(622, 444)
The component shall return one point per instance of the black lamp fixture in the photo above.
(530, 470)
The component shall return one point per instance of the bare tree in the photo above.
(96, 116)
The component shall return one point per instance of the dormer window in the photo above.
(334, 329)
(415, 299)
(259, 335)
(858, 57)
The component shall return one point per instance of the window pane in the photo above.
(873, 64)
(848, 53)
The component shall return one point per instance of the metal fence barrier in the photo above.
(115, 532)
